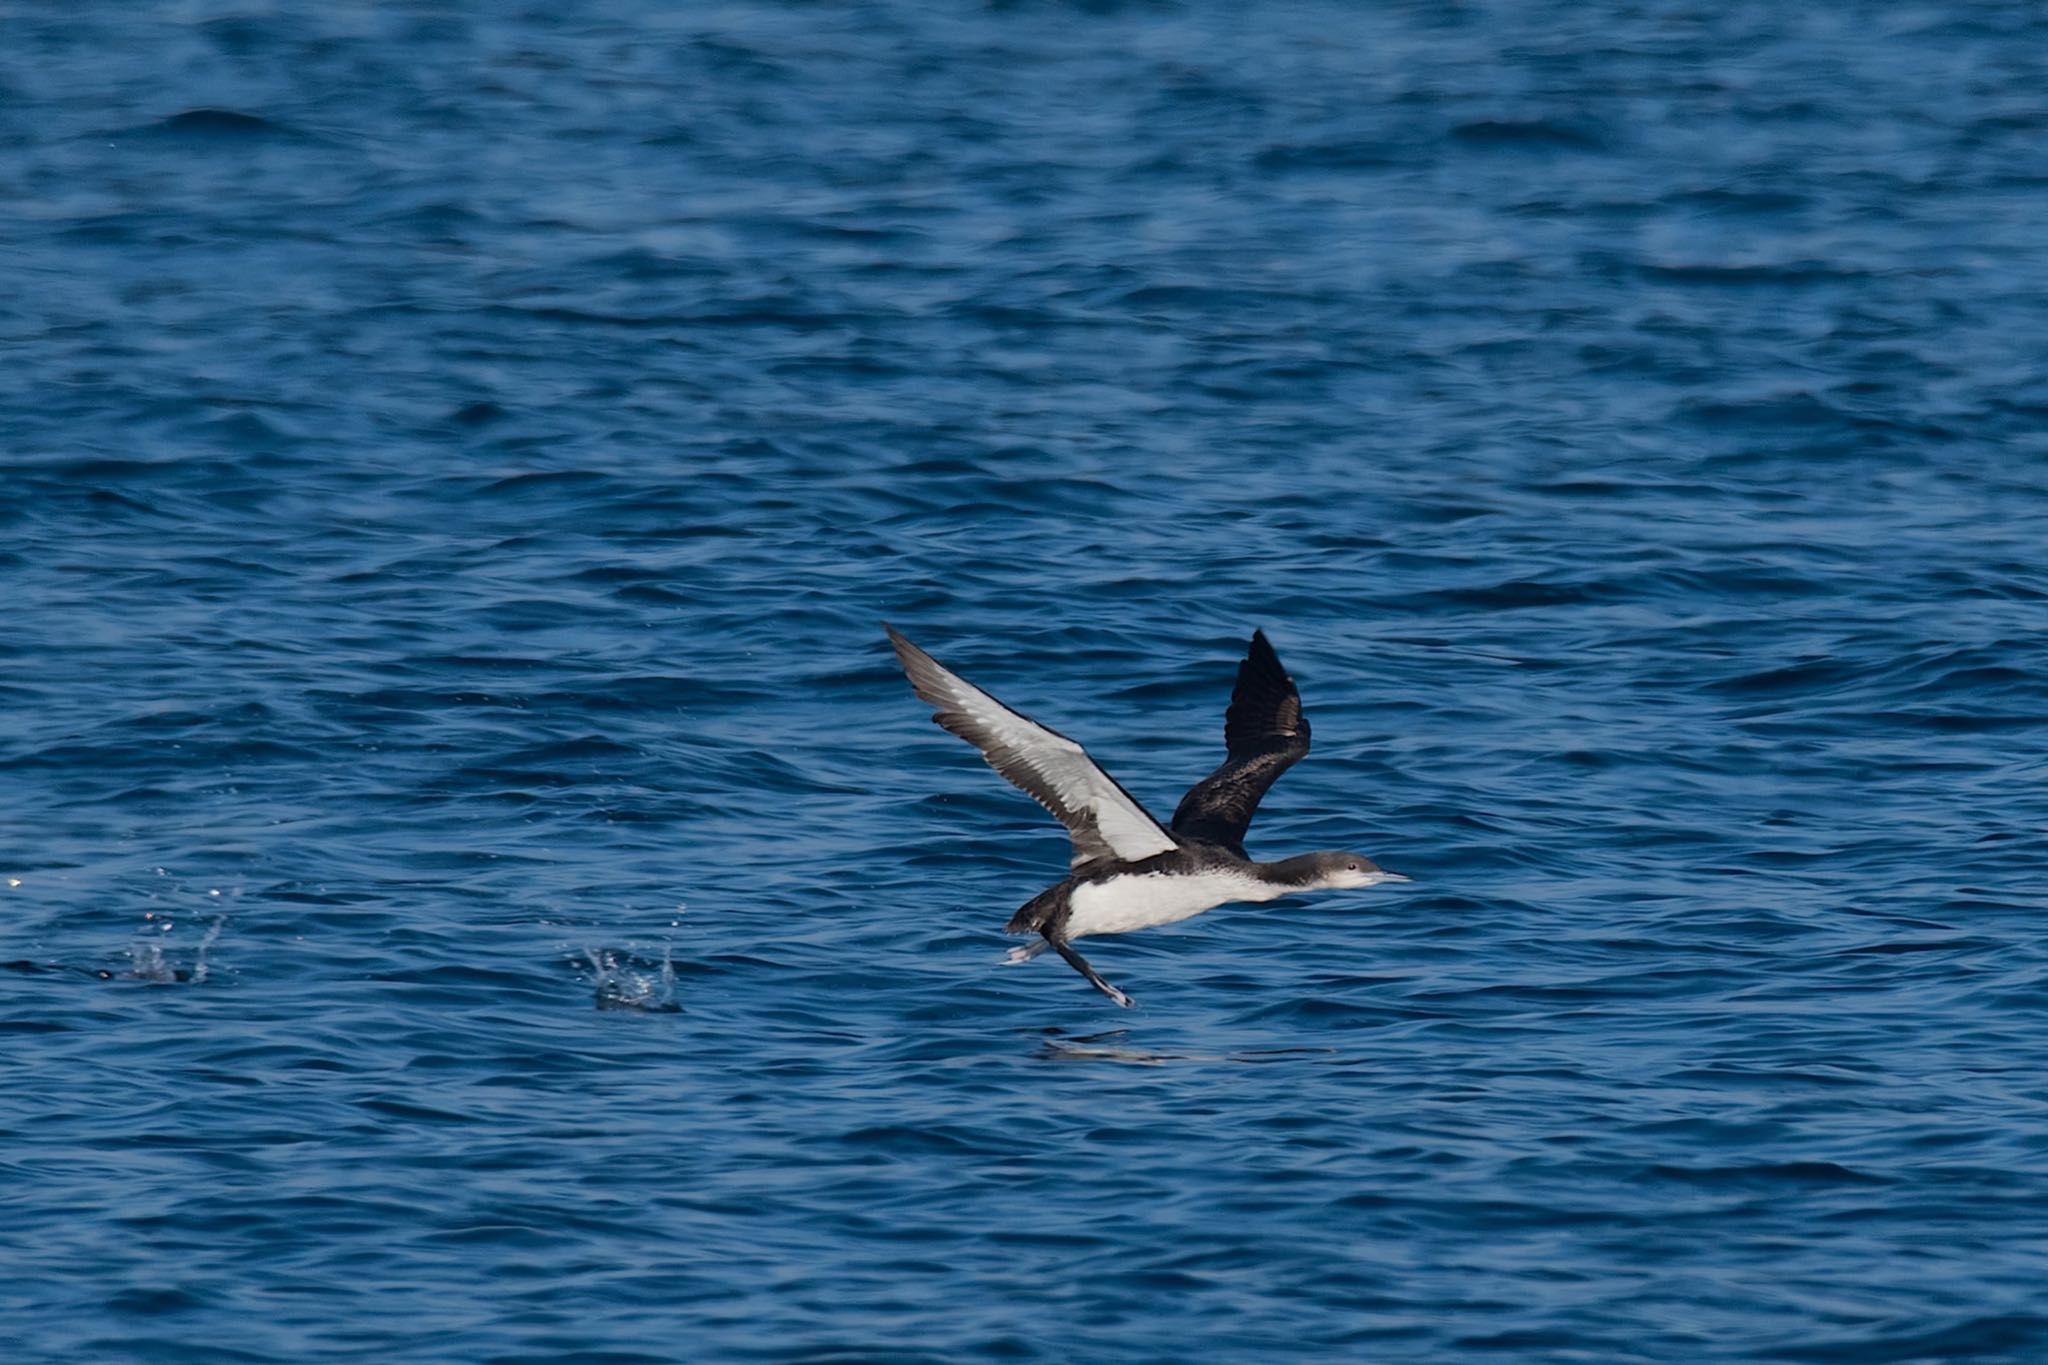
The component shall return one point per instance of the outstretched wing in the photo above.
(1265, 733)
(1105, 820)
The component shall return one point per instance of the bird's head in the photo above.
(1336, 871)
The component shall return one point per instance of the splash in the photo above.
(622, 981)
(205, 944)
(147, 960)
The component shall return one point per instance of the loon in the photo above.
(1128, 871)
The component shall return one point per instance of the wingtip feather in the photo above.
(907, 652)
(1260, 658)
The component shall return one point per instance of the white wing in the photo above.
(1105, 820)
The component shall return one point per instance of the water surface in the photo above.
(477, 889)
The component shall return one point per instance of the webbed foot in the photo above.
(1025, 953)
(1080, 964)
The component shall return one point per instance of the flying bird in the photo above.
(1129, 871)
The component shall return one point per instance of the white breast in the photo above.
(1120, 904)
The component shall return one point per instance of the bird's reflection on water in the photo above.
(1105, 1047)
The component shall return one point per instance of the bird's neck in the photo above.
(1291, 874)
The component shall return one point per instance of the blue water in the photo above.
(476, 887)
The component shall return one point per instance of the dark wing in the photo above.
(1105, 820)
(1265, 734)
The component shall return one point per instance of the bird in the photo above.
(1128, 871)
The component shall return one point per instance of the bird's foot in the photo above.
(1118, 996)
(1024, 954)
